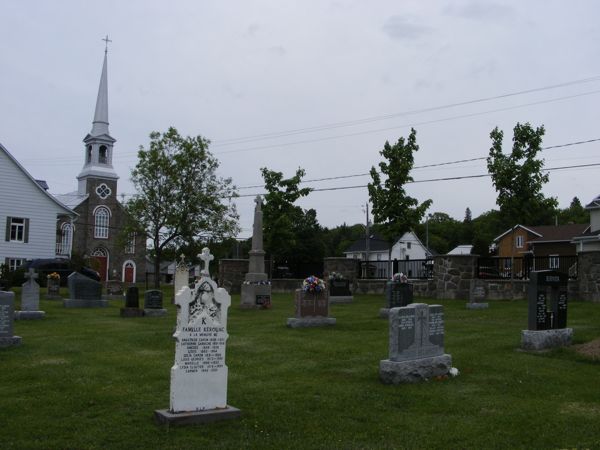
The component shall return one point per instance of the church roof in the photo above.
(72, 199)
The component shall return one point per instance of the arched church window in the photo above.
(103, 155)
(102, 221)
(65, 238)
(88, 157)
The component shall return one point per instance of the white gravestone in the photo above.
(199, 376)
(30, 299)
(182, 275)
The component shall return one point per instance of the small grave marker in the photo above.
(7, 311)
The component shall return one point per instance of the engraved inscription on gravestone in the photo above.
(153, 299)
(7, 311)
(199, 376)
(419, 331)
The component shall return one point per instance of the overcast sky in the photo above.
(343, 76)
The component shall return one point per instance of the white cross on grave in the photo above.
(31, 275)
(207, 258)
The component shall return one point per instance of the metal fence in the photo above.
(520, 268)
(413, 268)
(296, 270)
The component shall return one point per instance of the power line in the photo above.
(274, 135)
(414, 124)
(463, 177)
(569, 144)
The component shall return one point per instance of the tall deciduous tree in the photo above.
(518, 177)
(180, 199)
(292, 235)
(393, 209)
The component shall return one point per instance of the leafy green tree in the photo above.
(486, 227)
(393, 209)
(518, 177)
(180, 200)
(282, 219)
(575, 213)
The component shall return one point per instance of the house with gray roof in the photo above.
(29, 214)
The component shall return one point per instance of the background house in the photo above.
(381, 261)
(589, 240)
(29, 214)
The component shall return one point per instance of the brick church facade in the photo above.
(97, 233)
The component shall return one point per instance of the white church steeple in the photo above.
(98, 143)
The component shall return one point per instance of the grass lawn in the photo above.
(91, 379)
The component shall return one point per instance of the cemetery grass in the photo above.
(91, 379)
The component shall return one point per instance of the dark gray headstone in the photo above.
(398, 294)
(153, 299)
(310, 304)
(547, 300)
(7, 317)
(132, 297)
(7, 313)
(416, 331)
(84, 288)
(339, 288)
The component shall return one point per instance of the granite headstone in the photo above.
(478, 294)
(153, 303)
(547, 311)
(84, 292)
(416, 346)
(312, 309)
(132, 303)
(7, 311)
(30, 299)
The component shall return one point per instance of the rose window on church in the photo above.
(103, 191)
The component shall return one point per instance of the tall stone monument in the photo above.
(416, 345)
(182, 275)
(199, 376)
(256, 288)
(30, 299)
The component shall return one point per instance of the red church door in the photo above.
(99, 262)
(128, 275)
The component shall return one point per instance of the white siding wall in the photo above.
(416, 251)
(19, 197)
(594, 220)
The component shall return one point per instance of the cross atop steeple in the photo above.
(106, 41)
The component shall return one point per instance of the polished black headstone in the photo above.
(132, 297)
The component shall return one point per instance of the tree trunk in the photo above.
(157, 268)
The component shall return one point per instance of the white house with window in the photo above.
(406, 248)
(29, 214)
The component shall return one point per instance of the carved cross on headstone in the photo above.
(31, 275)
(182, 262)
(422, 320)
(207, 258)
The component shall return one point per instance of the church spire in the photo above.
(100, 123)
(99, 143)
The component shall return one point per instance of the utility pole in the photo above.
(367, 243)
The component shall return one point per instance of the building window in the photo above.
(103, 191)
(408, 244)
(130, 247)
(103, 155)
(17, 229)
(553, 261)
(14, 263)
(88, 156)
(520, 241)
(66, 234)
(102, 221)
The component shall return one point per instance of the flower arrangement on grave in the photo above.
(400, 277)
(53, 276)
(336, 276)
(313, 285)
